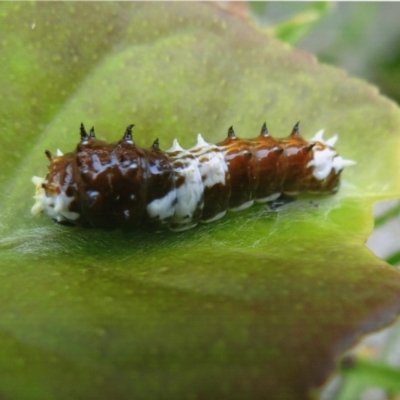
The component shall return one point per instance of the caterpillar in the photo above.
(121, 185)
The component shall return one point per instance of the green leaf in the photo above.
(394, 258)
(391, 213)
(294, 28)
(360, 373)
(256, 305)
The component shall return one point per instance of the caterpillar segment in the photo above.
(121, 185)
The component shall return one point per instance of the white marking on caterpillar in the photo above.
(163, 208)
(188, 187)
(211, 162)
(55, 206)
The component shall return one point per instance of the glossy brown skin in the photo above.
(111, 193)
(113, 183)
(299, 177)
(264, 166)
(272, 165)
(243, 169)
(216, 200)
(160, 180)
(108, 192)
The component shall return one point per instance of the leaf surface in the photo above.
(258, 304)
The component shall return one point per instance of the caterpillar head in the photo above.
(98, 183)
(56, 192)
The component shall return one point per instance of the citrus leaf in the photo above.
(258, 304)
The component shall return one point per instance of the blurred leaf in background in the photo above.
(361, 37)
(291, 30)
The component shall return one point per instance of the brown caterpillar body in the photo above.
(119, 184)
